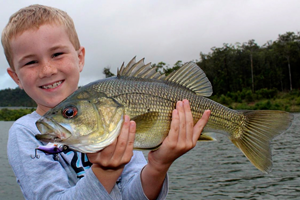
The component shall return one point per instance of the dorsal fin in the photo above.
(189, 76)
(192, 77)
(138, 70)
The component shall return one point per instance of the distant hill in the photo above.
(15, 98)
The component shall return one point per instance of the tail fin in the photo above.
(259, 129)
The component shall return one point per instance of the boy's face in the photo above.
(47, 66)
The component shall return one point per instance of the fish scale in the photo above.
(149, 99)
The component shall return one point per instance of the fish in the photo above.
(91, 118)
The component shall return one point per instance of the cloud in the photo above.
(114, 31)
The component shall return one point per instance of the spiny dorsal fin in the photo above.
(138, 70)
(189, 75)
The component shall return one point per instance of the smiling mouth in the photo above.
(54, 85)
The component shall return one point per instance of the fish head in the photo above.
(85, 121)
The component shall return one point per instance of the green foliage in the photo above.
(225, 100)
(13, 114)
(15, 97)
(264, 99)
(159, 66)
(229, 68)
(107, 72)
(176, 66)
(298, 101)
(265, 93)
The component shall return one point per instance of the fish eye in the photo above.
(69, 112)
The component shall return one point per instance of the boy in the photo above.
(45, 58)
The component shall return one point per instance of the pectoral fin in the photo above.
(146, 122)
(151, 130)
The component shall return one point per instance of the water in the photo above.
(9, 189)
(214, 170)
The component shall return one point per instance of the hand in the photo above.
(182, 137)
(108, 164)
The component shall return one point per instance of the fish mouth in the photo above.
(51, 131)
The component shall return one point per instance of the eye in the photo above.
(69, 112)
(31, 62)
(57, 54)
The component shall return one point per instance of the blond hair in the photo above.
(32, 17)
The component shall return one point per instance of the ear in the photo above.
(15, 77)
(81, 57)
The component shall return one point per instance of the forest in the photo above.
(233, 68)
(15, 98)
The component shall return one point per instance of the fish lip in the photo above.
(51, 131)
(47, 138)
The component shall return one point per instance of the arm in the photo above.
(183, 136)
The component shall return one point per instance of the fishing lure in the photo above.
(50, 148)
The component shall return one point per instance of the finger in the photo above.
(189, 121)
(132, 130)
(129, 148)
(182, 125)
(174, 129)
(108, 151)
(198, 128)
(122, 139)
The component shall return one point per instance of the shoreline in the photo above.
(16, 107)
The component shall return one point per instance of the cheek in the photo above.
(27, 77)
(68, 66)
(73, 70)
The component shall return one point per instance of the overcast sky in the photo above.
(114, 31)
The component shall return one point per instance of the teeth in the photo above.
(52, 86)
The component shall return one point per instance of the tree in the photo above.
(107, 72)
(159, 67)
(250, 47)
(286, 45)
(176, 66)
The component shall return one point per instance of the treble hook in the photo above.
(50, 149)
(35, 154)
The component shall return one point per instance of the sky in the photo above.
(114, 31)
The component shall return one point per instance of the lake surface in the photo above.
(9, 189)
(216, 170)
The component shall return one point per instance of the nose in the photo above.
(47, 69)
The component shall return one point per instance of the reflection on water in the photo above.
(216, 170)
